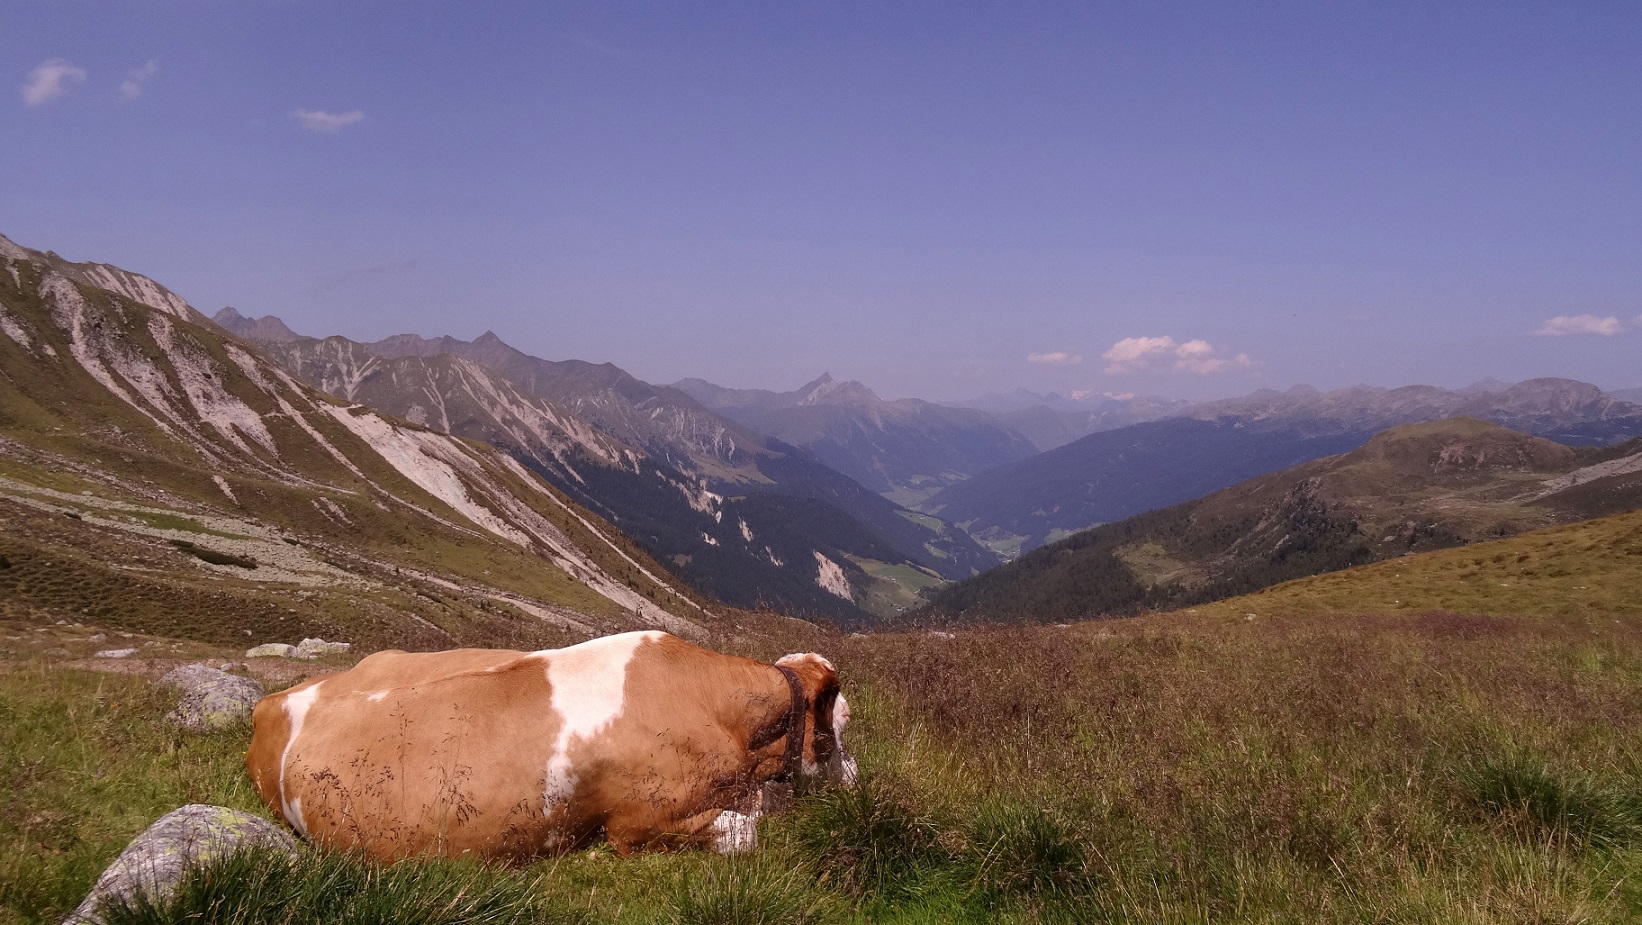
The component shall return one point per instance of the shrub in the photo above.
(871, 838)
(1540, 804)
(756, 889)
(1022, 851)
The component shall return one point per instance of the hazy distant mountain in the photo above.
(742, 518)
(1054, 420)
(1409, 489)
(905, 449)
(1004, 402)
(1630, 395)
(1115, 474)
(1565, 410)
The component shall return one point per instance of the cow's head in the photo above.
(828, 714)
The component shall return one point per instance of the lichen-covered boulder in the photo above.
(271, 650)
(313, 648)
(155, 861)
(212, 699)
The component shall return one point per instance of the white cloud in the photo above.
(137, 80)
(1135, 354)
(50, 81)
(1579, 324)
(1058, 358)
(328, 123)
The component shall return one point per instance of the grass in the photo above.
(1430, 767)
(88, 763)
(268, 888)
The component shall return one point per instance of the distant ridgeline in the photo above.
(1409, 489)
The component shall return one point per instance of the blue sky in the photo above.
(1192, 199)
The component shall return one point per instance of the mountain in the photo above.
(738, 516)
(1050, 426)
(154, 471)
(1409, 489)
(1630, 395)
(1565, 410)
(267, 329)
(905, 449)
(1114, 474)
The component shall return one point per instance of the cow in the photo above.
(650, 740)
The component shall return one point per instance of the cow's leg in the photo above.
(734, 833)
(723, 830)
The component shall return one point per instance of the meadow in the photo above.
(1281, 757)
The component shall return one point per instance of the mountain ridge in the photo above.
(1408, 489)
(719, 517)
(158, 416)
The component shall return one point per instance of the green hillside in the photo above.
(1582, 569)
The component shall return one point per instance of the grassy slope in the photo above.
(1373, 765)
(1583, 569)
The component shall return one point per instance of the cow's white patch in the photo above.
(296, 710)
(734, 833)
(841, 768)
(587, 682)
(840, 715)
(378, 696)
(793, 657)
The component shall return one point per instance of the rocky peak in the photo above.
(828, 391)
(267, 329)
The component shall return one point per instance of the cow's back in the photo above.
(492, 752)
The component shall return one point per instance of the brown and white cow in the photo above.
(652, 740)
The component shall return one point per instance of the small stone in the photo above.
(116, 653)
(272, 650)
(96, 637)
(155, 862)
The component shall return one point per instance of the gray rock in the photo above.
(155, 861)
(211, 699)
(313, 648)
(96, 637)
(116, 653)
(271, 650)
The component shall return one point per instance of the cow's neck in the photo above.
(795, 725)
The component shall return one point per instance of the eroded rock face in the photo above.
(212, 699)
(155, 861)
